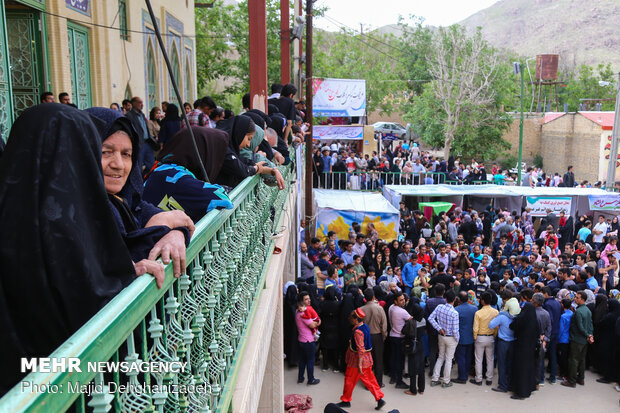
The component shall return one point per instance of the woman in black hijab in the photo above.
(278, 123)
(527, 334)
(289, 328)
(170, 125)
(607, 349)
(148, 231)
(176, 181)
(235, 169)
(417, 382)
(600, 311)
(348, 305)
(329, 312)
(63, 257)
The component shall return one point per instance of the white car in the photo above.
(395, 129)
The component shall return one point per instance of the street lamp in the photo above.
(517, 70)
(613, 152)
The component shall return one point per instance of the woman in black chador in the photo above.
(527, 334)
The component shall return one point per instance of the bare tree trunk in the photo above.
(447, 145)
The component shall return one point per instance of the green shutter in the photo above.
(24, 44)
(80, 65)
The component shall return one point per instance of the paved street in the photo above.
(593, 397)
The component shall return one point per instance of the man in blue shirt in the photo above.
(505, 342)
(347, 255)
(554, 308)
(410, 272)
(466, 340)
(563, 332)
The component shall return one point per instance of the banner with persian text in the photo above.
(540, 204)
(339, 97)
(609, 202)
(337, 132)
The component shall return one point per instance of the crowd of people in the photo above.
(90, 199)
(536, 298)
(342, 166)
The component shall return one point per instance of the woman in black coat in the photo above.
(291, 348)
(348, 305)
(329, 313)
(417, 382)
(607, 348)
(527, 334)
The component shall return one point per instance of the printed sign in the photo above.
(338, 132)
(609, 202)
(540, 205)
(340, 222)
(83, 6)
(339, 97)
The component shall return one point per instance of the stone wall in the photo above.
(572, 140)
(531, 137)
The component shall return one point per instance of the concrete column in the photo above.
(258, 54)
(285, 43)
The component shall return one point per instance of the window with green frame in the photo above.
(188, 82)
(176, 70)
(122, 19)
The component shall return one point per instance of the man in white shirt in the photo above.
(599, 231)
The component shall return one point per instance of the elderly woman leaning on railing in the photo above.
(71, 260)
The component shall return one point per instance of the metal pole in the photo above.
(613, 153)
(520, 135)
(176, 88)
(285, 43)
(309, 161)
(257, 15)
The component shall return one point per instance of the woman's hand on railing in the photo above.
(155, 268)
(172, 219)
(279, 178)
(171, 246)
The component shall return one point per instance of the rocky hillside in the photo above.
(580, 31)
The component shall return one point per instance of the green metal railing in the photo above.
(375, 181)
(201, 319)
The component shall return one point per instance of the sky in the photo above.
(377, 13)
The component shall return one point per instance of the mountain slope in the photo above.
(580, 31)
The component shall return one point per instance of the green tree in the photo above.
(461, 108)
(584, 84)
(222, 48)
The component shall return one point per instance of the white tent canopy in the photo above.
(352, 201)
(506, 196)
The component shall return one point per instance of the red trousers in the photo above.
(352, 376)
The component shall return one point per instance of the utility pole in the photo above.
(518, 69)
(310, 118)
(285, 43)
(613, 153)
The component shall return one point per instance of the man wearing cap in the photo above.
(359, 362)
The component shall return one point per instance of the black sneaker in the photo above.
(477, 383)
(344, 404)
(380, 404)
(497, 389)
(299, 381)
(402, 385)
(459, 381)
(489, 382)
(315, 381)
